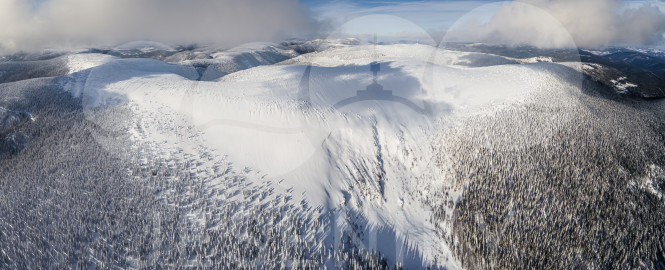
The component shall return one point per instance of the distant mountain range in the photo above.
(641, 69)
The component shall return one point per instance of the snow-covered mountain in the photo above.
(344, 155)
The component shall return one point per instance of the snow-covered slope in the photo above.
(368, 162)
(220, 62)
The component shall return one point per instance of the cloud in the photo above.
(39, 24)
(542, 23)
(33, 25)
(563, 23)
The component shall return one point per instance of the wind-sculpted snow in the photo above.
(69, 203)
(371, 156)
(366, 156)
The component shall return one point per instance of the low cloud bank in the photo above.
(32, 25)
(29, 25)
(563, 23)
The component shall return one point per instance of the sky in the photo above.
(39, 24)
(541, 23)
(428, 14)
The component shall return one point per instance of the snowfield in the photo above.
(372, 159)
(350, 156)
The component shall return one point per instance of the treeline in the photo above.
(69, 203)
(559, 187)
